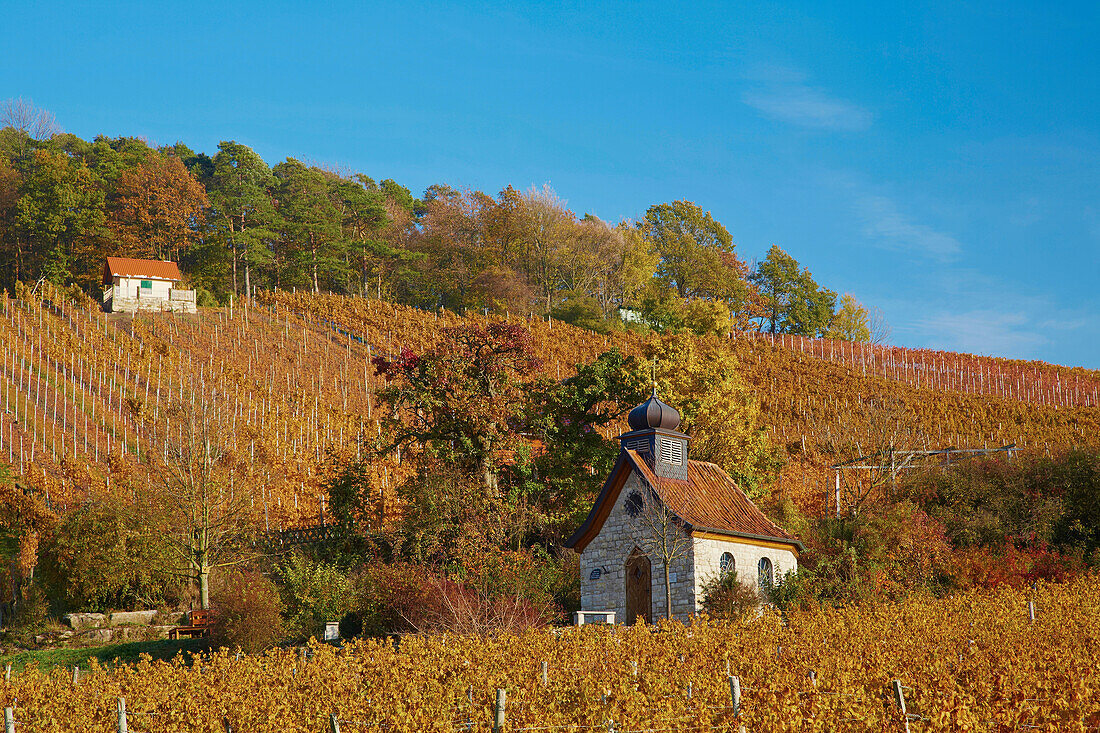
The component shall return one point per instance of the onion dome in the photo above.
(653, 414)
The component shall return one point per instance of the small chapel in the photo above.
(657, 504)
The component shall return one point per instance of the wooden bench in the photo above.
(199, 625)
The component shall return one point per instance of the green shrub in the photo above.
(794, 590)
(29, 617)
(314, 593)
(349, 496)
(205, 299)
(101, 558)
(707, 316)
(247, 611)
(1077, 474)
(725, 597)
(582, 311)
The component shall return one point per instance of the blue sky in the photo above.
(940, 161)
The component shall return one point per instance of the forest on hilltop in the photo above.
(238, 226)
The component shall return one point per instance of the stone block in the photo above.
(99, 636)
(134, 618)
(132, 633)
(81, 621)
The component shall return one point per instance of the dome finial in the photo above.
(653, 413)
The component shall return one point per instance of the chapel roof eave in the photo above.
(793, 542)
(594, 521)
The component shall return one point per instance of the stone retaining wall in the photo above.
(83, 621)
(135, 305)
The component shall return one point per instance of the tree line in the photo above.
(237, 225)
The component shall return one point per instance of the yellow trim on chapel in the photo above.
(746, 541)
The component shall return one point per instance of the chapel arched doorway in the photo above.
(639, 589)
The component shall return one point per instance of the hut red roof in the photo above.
(152, 269)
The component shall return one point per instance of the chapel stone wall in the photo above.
(608, 552)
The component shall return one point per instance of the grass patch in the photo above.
(106, 655)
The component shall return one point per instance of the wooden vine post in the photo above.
(735, 695)
(498, 712)
(899, 697)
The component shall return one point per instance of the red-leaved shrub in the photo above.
(247, 611)
(409, 597)
(1012, 566)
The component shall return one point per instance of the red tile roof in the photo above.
(709, 501)
(127, 267)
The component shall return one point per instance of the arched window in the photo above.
(764, 576)
(726, 563)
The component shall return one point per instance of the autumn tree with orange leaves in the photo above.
(460, 398)
(24, 518)
(157, 209)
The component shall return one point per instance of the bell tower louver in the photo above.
(654, 434)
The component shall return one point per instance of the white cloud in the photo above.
(977, 313)
(885, 223)
(981, 331)
(791, 101)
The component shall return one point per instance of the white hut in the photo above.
(131, 285)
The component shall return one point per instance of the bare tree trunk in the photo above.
(488, 477)
(668, 592)
(313, 254)
(233, 249)
(201, 522)
(204, 587)
(14, 585)
(659, 533)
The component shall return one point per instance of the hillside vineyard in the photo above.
(88, 399)
(975, 661)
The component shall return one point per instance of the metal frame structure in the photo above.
(903, 459)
